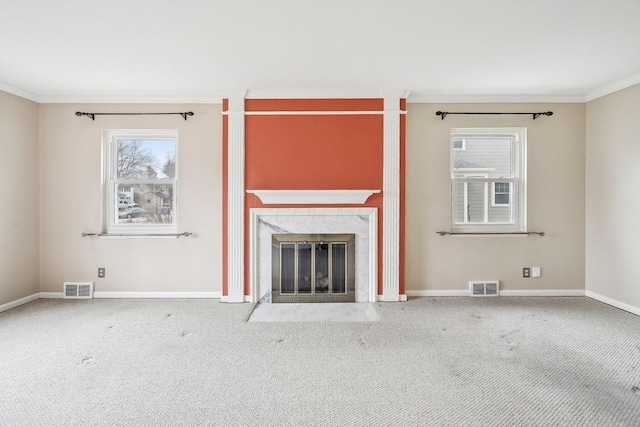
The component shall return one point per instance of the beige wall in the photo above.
(71, 200)
(556, 188)
(613, 197)
(20, 212)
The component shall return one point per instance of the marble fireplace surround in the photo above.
(363, 222)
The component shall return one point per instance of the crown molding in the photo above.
(19, 92)
(103, 99)
(418, 98)
(415, 97)
(216, 98)
(613, 87)
(309, 94)
(323, 94)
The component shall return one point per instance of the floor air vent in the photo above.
(484, 288)
(78, 290)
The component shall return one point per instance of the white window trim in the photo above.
(109, 182)
(518, 186)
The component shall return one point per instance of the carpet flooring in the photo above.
(507, 361)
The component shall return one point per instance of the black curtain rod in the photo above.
(92, 116)
(444, 114)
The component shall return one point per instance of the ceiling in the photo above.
(96, 50)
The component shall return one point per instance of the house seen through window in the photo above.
(488, 179)
(142, 181)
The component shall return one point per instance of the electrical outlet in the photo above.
(526, 272)
(101, 272)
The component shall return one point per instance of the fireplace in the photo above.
(317, 226)
(276, 150)
(313, 268)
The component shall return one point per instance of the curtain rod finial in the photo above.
(92, 116)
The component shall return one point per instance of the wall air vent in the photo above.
(78, 290)
(484, 288)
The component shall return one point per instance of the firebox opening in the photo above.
(313, 268)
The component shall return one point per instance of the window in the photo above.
(501, 194)
(141, 181)
(488, 180)
(458, 144)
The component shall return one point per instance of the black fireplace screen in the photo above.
(313, 267)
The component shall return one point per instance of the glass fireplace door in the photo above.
(313, 269)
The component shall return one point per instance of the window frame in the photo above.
(111, 181)
(518, 182)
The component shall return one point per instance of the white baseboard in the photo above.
(19, 302)
(49, 295)
(401, 298)
(438, 293)
(543, 293)
(184, 295)
(225, 298)
(614, 303)
(505, 293)
(60, 295)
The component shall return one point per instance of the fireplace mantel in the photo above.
(313, 197)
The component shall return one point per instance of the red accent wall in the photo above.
(312, 152)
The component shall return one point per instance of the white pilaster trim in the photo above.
(613, 302)
(391, 197)
(235, 196)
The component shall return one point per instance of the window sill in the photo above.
(491, 234)
(137, 236)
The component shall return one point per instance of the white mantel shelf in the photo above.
(313, 197)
